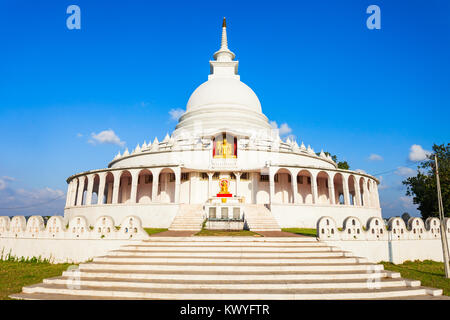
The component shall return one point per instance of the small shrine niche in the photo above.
(225, 146)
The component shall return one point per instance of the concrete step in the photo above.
(235, 285)
(228, 268)
(227, 294)
(237, 267)
(228, 239)
(277, 261)
(244, 254)
(234, 276)
(242, 244)
(156, 248)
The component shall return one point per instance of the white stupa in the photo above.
(223, 136)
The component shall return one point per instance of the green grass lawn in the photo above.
(16, 274)
(430, 273)
(226, 233)
(151, 231)
(303, 231)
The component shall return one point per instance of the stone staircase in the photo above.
(228, 268)
(259, 218)
(189, 217)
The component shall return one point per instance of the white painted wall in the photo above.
(395, 251)
(152, 215)
(59, 250)
(306, 216)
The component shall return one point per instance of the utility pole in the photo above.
(441, 218)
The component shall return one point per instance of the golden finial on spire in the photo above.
(224, 23)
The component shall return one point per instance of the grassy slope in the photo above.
(303, 231)
(430, 273)
(14, 275)
(151, 231)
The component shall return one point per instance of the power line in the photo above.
(393, 170)
(34, 205)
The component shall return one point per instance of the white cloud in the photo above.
(375, 157)
(20, 201)
(284, 129)
(382, 186)
(405, 171)
(175, 114)
(79, 135)
(361, 171)
(106, 136)
(407, 202)
(4, 181)
(417, 153)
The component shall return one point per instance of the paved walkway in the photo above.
(170, 233)
(279, 234)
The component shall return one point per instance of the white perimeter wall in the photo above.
(395, 251)
(306, 216)
(59, 250)
(152, 215)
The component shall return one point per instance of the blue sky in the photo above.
(314, 65)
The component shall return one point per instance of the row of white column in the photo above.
(76, 186)
(360, 199)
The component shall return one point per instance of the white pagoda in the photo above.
(223, 145)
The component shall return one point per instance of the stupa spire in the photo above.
(224, 44)
(224, 54)
(223, 64)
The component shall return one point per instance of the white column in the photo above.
(331, 191)
(210, 175)
(358, 194)
(294, 174)
(314, 187)
(115, 197)
(73, 192)
(101, 187)
(271, 185)
(238, 181)
(69, 193)
(134, 183)
(90, 188)
(345, 187)
(177, 184)
(255, 178)
(80, 190)
(377, 196)
(155, 183)
(366, 194)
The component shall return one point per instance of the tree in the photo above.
(340, 164)
(406, 217)
(422, 187)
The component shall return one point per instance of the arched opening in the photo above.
(84, 193)
(323, 192)
(166, 186)
(352, 190)
(338, 182)
(144, 187)
(283, 187)
(109, 187)
(304, 187)
(263, 191)
(95, 197)
(125, 187)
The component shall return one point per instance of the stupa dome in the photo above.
(224, 92)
